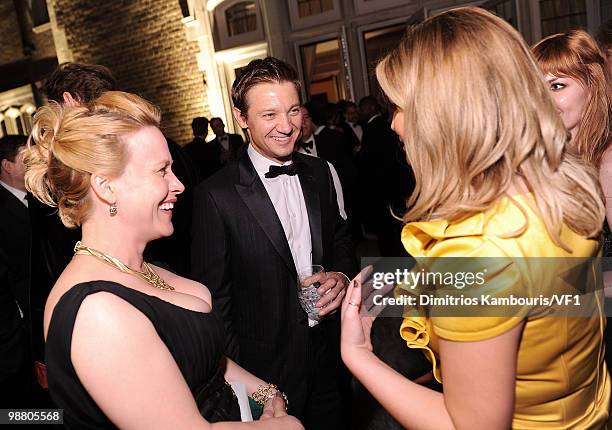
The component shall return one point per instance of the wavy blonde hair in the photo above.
(575, 54)
(69, 144)
(477, 115)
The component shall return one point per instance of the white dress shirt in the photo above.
(288, 200)
(21, 195)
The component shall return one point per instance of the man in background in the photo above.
(332, 145)
(16, 366)
(306, 145)
(353, 131)
(76, 84)
(198, 151)
(386, 179)
(225, 146)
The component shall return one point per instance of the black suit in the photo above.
(15, 362)
(173, 252)
(241, 254)
(350, 136)
(235, 145)
(34, 250)
(387, 181)
(52, 250)
(210, 157)
(333, 146)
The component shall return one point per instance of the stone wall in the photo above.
(145, 45)
(10, 34)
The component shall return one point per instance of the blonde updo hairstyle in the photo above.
(478, 115)
(69, 144)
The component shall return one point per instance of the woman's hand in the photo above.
(355, 336)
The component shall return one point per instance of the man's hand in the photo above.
(332, 291)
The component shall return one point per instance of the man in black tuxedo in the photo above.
(226, 146)
(353, 131)
(16, 367)
(386, 178)
(332, 145)
(255, 223)
(198, 150)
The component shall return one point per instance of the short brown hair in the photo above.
(268, 70)
(85, 82)
(10, 146)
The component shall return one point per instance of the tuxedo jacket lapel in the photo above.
(313, 207)
(252, 191)
(13, 205)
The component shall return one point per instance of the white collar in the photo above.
(373, 117)
(262, 164)
(21, 195)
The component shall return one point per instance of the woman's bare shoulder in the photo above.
(73, 276)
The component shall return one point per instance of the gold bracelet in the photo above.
(267, 392)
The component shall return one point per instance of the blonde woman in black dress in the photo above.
(129, 345)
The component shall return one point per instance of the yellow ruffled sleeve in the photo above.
(490, 316)
(440, 248)
(414, 331)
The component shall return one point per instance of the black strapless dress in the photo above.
(195, 340)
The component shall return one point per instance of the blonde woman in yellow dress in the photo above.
(495, 178)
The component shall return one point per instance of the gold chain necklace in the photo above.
(147, 274)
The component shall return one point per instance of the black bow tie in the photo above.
(290, 169)
(308, 144)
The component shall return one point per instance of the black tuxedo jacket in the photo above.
(173, 252)
(350, 136)
(209, 157)
(235, 146)
(333, 146)
(241, 254)
(52, 250)
(385, 165)
(14, 283)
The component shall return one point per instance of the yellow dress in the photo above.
(561, 381)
